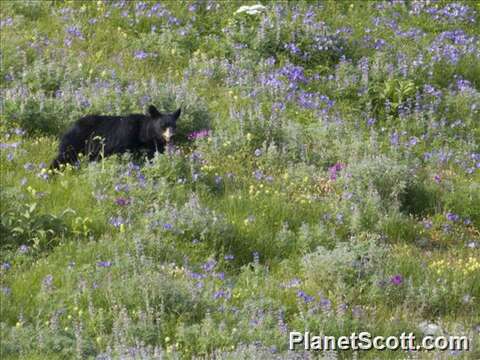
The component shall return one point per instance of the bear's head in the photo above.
(163, 126)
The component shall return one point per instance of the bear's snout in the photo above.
(167, 134)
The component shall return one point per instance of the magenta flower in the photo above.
(396, 279)
(200, 134)
(333, 170)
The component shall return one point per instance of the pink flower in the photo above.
(396, 279)
(334, 169)
(200, 134)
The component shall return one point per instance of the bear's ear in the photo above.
(154, 113)
(176, 114)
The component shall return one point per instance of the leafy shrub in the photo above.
(347, 263)
(23, 224)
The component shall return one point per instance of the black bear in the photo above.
(99, 135)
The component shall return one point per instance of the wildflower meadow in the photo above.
(324, 176)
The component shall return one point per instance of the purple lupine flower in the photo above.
(140, 54)
(47, 281)
(394, 139)
(29, 166)
(75, 32)
(427, 224)
(167, 226)
(6, 290)
(209, 265)
(196, 276)
(382, 283)
(43, 175)
(258, 174)
(357, 311)
(117, 221)
(256, 257)
(347, 195)
(447, 228)
(5, 266)
(452, 217)
(104, 264)
(229, 257)
(218, 294)
(306, 298)
(295, 282)
(278, 107)
(339, 218)
(121, 187)
(396, 279)
(437, 179)
(325, 304)
(379, 44)
(292, 48)
(413, 141)
(23, 249)
(258, 152)
(122, 201)
(7, 22)
(222, 294)
(19, 132)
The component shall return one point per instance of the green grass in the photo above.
(337, 191)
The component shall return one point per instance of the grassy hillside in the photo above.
(325, 178)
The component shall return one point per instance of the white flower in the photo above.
(430, 328)
(251, 10)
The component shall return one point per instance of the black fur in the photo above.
(99, 135)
